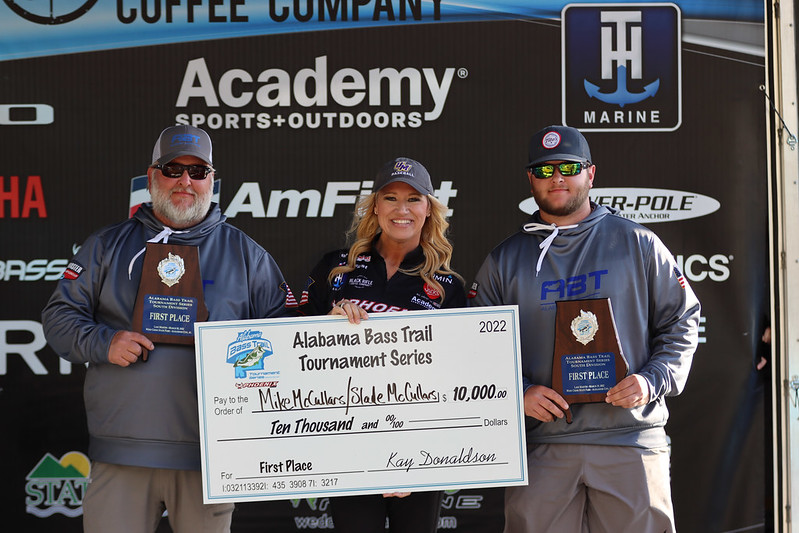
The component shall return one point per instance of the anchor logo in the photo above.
(621, 96)
(622, 25)
(621, 66)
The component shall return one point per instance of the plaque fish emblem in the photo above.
(171, 269)
(584, 327)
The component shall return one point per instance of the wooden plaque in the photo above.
(170, 298)
(588, 359)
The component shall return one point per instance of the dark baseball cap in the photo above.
(176, 141)
(406, 170)
(555, 143)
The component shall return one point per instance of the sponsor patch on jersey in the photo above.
(291, 302)
(472, 291)
(431, 292)
(73, 270)
(442, 278)
(304, 297)
(425, 303)
(680, 277)
(361, 282)
(338, 281)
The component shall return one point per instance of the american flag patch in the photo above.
(680, 277)
(290, 300)
(304, 296)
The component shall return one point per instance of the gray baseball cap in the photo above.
(406, 170)
(176, 141)
(555, 143)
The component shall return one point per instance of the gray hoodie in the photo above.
(655, 309)
(146, 414)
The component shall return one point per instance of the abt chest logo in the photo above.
(622, 67)
(581, 286)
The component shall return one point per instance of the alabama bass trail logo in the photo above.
(247, 354)
(57, 485)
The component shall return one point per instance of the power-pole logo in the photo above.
(621, 67)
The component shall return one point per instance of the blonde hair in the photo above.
(436, 247)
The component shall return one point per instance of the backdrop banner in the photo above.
(305, 100)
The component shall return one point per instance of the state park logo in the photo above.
(57, 486)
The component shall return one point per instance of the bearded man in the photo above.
(607, 470)
(140, 388)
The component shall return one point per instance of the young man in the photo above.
(140, 395)
(608, 470)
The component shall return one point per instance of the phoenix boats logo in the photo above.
(622, 69)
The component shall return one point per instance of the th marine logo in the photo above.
(616, 51)
(621, 67)
(338, 281)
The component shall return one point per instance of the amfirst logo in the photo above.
(317, 203)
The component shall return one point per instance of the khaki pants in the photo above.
(576, 488)
(131, 499)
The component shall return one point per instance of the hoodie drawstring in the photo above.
(163, 237)
(545, 244)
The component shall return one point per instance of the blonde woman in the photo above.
(399, 260)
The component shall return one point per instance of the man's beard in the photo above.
(181, 217)
(569, 207)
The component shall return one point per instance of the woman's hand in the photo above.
(354, 313)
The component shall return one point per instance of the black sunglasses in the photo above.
(176, 170)
(547, 170)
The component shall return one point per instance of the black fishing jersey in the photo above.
(368, 287)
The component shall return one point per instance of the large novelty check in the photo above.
(403, 402)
